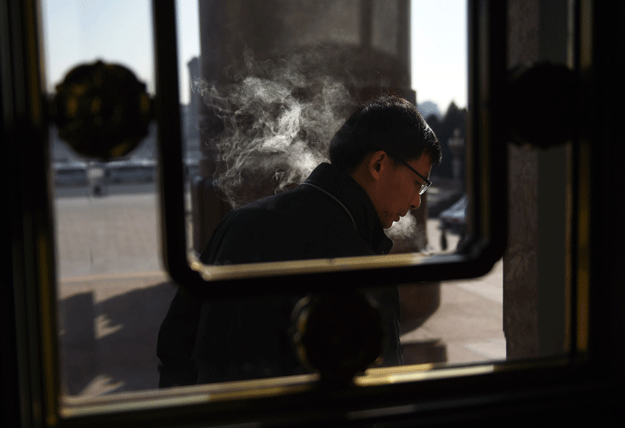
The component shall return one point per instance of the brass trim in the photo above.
(210, 397)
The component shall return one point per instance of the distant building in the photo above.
(429, 108)
(191, 132)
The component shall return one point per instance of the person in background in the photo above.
(380, 163)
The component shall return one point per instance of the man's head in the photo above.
(389, 149)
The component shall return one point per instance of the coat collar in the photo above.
(356, 200)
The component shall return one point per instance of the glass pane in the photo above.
(270, 93)
(110, 279)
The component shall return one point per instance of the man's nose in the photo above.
(416, 202)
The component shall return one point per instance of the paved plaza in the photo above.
(113, 294)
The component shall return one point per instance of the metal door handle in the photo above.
(101, 110)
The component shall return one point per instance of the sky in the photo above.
(83, 31)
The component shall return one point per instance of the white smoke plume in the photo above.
(278, 118)
(408, 235)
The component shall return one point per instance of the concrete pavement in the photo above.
(113, 294)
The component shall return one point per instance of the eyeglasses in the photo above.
(426, 183)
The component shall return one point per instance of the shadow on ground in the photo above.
(110, 346)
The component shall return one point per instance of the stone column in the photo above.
(363, 43)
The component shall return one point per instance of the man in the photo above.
(381, 159)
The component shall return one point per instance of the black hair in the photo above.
(388, 123)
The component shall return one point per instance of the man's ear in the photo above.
(376, 163)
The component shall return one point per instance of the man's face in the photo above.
(398, 188)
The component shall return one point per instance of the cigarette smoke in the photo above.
(278, 118)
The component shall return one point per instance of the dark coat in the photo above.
(327, 216)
